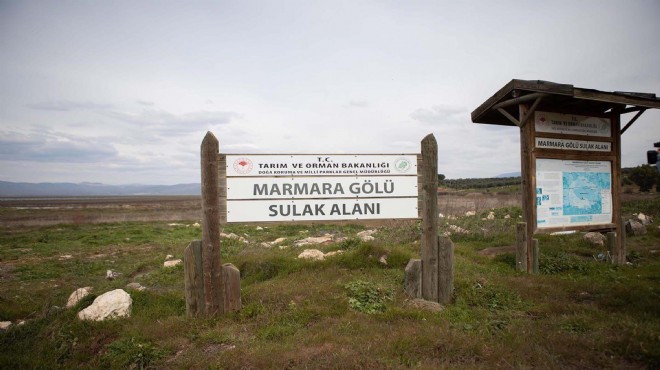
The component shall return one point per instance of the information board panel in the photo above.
(573, 193)
(321, 209)
(320, 165)
(572, 124)
(321, 187)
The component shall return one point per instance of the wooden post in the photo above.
(445, 269)
(528, 176)
(211, 263)
(619, 252)
(535, 256)
(611, 243)
(232, 281)
(429, 240)
(521, 246)
(193, 278)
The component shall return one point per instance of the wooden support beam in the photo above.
(531, 110)
(632, 120)
(509, 117)
(518, 100)
(430, 218)
(211, 263)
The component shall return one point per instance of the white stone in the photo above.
(507, 217)
(234, 236)
(595, 238)
(136, 286)
(169, 256)
(283, 247)
(259, 228)
(440, 215)
(314, 240)
(111, 275)
(266, 245)
(4, 325)
(113, 304)
(644, 219)
(66, 257)
(491, 216)
(313, 254)
(367, 238)
(470, 213)
(333, 253)
(77, 295)
(277, 241)
(457, 229)
(172, 263)
(383, 259)
(196, 224)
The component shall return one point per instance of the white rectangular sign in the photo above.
(245, 165)
(573, 193)
(572, 124)
(565, 144)
(320, 209)
(321, 187)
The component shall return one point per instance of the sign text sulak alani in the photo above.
(263, 188)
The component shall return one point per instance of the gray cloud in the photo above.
(440, 114)
(358, 103)
(145, 103)
(163, 121)
(66, 106)
(46, 147)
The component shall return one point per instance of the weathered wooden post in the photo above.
(445, 269)
(521, 246)
(211, 287)
(536, 254)
(212, 265)
(429, 240)
(437, 263)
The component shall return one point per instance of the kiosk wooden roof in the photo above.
(502, 107)
(515, 104)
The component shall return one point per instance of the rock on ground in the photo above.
(366, 235)
(596, 239)
(111, 275)
(426, 305)
(644, 219)
(4, 325)
(77, 295)
(113, 304)
(172, 263)
(314, 240)
(313, 254)
(136, 286)
(635, 228)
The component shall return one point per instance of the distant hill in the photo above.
(508, 174)
(63, 189)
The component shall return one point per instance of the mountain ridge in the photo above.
(67, 189)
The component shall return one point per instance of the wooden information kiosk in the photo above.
(570, 145)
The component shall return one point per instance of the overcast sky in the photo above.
(123, 92)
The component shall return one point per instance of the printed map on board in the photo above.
(583, 192)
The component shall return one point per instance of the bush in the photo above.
(644, 176)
